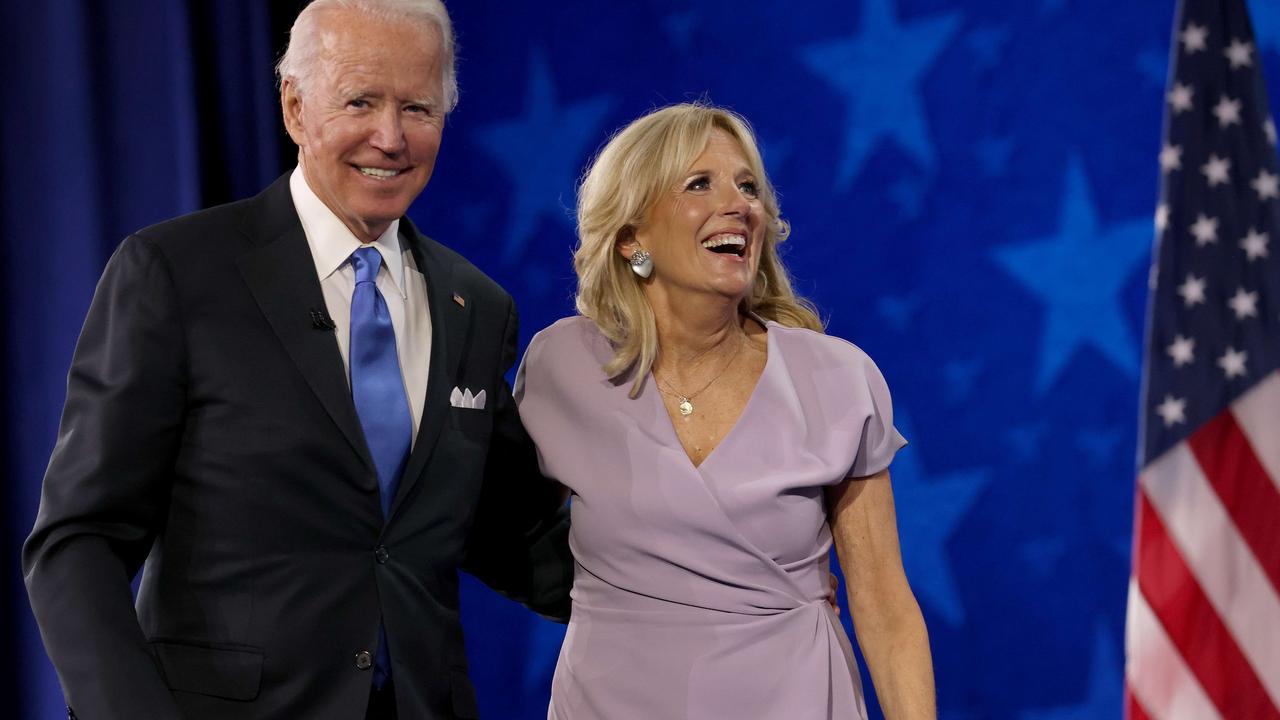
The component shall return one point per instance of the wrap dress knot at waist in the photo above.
(601, 600)
(748, 662)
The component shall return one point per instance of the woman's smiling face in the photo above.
(705, 234)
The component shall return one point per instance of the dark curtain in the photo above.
(119, 115)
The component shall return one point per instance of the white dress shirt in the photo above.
(402, 285)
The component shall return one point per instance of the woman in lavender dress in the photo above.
(715, 441)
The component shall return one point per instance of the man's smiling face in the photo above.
(369, 117)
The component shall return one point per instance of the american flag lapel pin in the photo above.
(462, 302)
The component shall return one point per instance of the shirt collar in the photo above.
(332, 242)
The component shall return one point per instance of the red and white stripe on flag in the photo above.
(1203, 634)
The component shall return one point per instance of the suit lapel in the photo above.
(450, 335)
(281, 276)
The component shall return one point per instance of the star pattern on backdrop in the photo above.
(1025, 440)
(879, 73)
(987, 42)
(1041, 555)
(908, 194)
(1103, 698)
(1099, 444)
(1079, 274)
(542, 153)
(899, 310)
(960, 376)
(775, 152)
(993, 153)
(1266, 24)
(929, 509)
(1153, 64)
(680, 26)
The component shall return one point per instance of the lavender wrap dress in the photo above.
(699, 592)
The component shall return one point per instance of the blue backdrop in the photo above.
(971, 185)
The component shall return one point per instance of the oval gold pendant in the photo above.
(686, 408)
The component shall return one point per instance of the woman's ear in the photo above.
(626, 242)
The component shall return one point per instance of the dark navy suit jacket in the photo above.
(209, 431)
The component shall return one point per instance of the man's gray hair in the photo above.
(301, 56)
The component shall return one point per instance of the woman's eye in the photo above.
(749, 189)
(358, 104)
(698, 183)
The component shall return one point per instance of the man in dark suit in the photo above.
(292, 408)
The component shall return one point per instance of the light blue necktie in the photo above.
(378, 390)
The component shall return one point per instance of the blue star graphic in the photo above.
(474, 216)
(1099, 444)
(929, 509)
(961, 376)
(994, 153)
(541, 153)
(776, 152)
(898, 310)
(1042, 555)
(987, 43)
(878, 73)
(1266, 24)
(1025, 440)
(680, 26)
(1153, 64)
(908, 194)
(1079, 274)
(1105, 694)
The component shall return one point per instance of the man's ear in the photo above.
(291, 108)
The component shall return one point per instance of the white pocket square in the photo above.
(464, 399)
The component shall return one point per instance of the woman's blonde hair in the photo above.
(639, 163)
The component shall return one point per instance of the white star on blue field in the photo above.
(542, 153)
(929, 509)
(878, 73)
(1079, 275)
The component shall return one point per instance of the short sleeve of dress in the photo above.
(880, 439)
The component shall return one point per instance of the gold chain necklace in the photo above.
(686, 401)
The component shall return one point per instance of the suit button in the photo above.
(381, 555)
(364, 660)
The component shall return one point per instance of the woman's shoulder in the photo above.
(567, 342)
(574, 329)
(819, 348)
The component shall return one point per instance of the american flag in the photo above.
(1203, 630)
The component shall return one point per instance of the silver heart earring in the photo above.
(641, 263)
